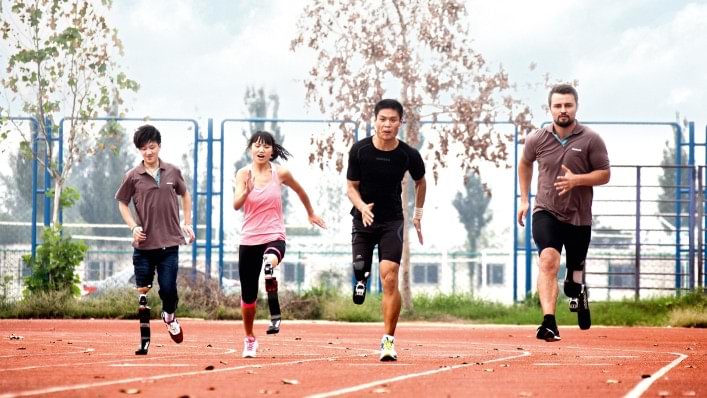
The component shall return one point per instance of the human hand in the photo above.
(188, 232)
(138, 234)
(566, 182)
(522, 212)
(418, 227)
(367, 214)
(316, 220)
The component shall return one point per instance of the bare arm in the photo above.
(420, 192)
(354, 195)
(186, 208)
(127, 215)
(525, 176)
(135, 229)
(242, 185)
(286, 177)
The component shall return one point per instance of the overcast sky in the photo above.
(635, 60)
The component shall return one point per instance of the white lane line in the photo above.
(360, 387)
(568, 364)
(151, 365)
(609, 356)
(59, 365)
(85, 386)
(646, 383)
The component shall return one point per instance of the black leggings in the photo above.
(250, 261)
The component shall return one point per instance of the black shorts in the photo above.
(250, 261)
(548, 231)
(388, 235)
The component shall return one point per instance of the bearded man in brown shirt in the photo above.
(572, 159)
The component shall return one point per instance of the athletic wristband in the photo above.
(418, 214)
(132, 230)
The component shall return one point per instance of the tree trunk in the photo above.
(405, 290)
(57, 198)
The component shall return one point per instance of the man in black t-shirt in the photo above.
(376, 169)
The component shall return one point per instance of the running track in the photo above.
(95, 358)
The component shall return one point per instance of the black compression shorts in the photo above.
(548, 231)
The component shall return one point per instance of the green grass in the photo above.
(687, 310)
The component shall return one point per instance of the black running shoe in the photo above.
(548, 333)
(359, 293)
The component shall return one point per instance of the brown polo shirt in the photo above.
(582, 152)
(157, 206)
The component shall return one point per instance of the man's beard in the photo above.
(566, 123)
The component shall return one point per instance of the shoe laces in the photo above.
(388, 344)
(173, 327)
(250, 344)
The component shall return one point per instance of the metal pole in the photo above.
(691, 228)
(209, 196)
(195, 203)
(638, 233)
(221, 217)
(700, 229)
(515, 212)
(35, 177)
(678, 206)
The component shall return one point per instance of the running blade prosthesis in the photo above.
(144, 317)
(580, 305)
(273, 301)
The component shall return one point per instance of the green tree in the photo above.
(472, 207)
(424, 49)
(61, 62)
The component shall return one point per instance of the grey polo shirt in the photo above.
(583, 151)
(157, 206)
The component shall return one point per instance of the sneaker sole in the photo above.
(178, 338)
(388, 358)
(549, 337)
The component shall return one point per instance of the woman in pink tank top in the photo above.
(258, 191)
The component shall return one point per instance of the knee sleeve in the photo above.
(361, 271)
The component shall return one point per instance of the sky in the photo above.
(634, 60)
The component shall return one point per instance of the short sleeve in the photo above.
(529, 149)
(180, 186)
(353, 172)
(417, 165)
(126, 190)
(598, 155)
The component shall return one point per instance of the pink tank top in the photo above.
(263, 220)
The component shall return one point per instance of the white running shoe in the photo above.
(174, 329)
(250, 347)
(388, 349)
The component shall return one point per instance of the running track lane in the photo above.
(95, 358)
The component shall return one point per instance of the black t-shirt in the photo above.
(380, 174)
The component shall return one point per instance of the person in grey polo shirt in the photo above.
(154, 187)
(572, 159)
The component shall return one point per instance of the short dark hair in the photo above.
(145, 134)
(388, 104)
(268, 139)
(562, 89)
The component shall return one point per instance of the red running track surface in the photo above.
(95, 358)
